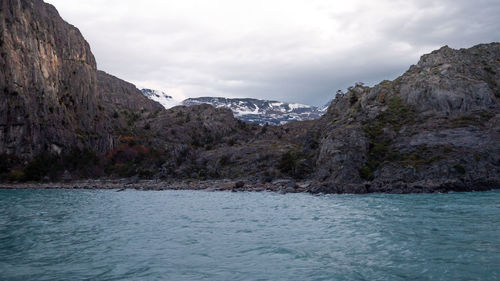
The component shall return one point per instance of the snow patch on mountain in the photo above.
(161, 97)
(324, 108)
(246, 109)
(261, 111)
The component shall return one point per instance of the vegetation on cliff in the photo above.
(435, 128)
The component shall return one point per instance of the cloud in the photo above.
(295, 50)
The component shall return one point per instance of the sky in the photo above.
(288, 50)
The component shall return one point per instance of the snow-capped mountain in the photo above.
(261, 111)
(160, 97)
(246, 109)
(325, 107)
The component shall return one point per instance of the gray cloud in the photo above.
(296, 50)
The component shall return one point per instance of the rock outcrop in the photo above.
(435, 128)
(123, 105)
(53, 97)
(48, 82)
(118, 94)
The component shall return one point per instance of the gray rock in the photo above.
(66, 176)
(239, 184)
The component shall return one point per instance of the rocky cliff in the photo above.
(53, 97)
(435, 128)
(120, 94)
(123, 105)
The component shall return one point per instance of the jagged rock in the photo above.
(451, 81)
(292, 184)
(305, 184)
(119, 95)
(435, 128)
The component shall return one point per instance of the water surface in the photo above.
(190, 235)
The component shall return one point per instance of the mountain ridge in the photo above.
(250, 110)
(258, 111)
(436, 128)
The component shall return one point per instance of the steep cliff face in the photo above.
(435, 128)
(120, 94)
(48, 82)
(123, 104)
(53, 96)
(58, 112)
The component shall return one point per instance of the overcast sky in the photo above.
(290, 50)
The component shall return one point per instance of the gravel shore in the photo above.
(282, 186)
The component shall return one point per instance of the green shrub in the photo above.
(77, 158)
(459, 168)
(43, 164)
(132, 142)
(224, 160)
(294, 164)
(490, 70)
(7, 162)
(397, 115)
(195, 142)
(15, 175)
(366, 173)
(476, 118)
(126, 170)
(83, 162)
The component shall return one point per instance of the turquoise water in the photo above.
(189, 235)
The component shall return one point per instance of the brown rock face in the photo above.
(120, 94)
(53, 96)
(123, 104)
(48, 82)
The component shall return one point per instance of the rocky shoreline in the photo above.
(281, 186)
(435, 128)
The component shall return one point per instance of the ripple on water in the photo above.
(189, 235)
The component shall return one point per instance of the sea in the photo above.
(199, 235)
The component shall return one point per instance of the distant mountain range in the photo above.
(249, 110)
(261, 111)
